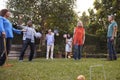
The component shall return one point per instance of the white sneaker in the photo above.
(52, 58)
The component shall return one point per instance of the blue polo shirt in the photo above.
(111, 28)
(6, 26)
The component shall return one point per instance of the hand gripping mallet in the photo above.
(6, 60)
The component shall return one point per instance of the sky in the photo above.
(2, 4)
(81, 5)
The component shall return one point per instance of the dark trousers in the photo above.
(111, 49)
(2, 50)
(77, 51)
(25, 45)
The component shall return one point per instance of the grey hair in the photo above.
(29, 22)
(80, 23)
(112, 16)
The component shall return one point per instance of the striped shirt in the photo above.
(29, 34)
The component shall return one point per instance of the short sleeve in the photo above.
(115, 24)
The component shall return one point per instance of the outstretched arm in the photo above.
(84, 37)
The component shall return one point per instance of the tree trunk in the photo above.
(43, 40)
(43, 32)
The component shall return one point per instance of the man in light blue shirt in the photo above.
(111, 35)
(50, 43)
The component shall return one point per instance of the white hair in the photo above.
(80, 23)
(49, 30)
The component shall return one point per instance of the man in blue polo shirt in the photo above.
(111, 35)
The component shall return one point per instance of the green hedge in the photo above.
(17, 39)
(93, 44)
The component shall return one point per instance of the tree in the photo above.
(105, 8)
(85, 19)
(54, 14)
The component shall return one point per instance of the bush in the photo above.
(94, 44)
(17, 39)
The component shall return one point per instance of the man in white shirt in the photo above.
(50, 43)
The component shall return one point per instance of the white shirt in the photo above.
(50, 39)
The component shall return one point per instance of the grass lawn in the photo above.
(60, 69)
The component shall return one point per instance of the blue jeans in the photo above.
(77, 51)
(111, 49)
